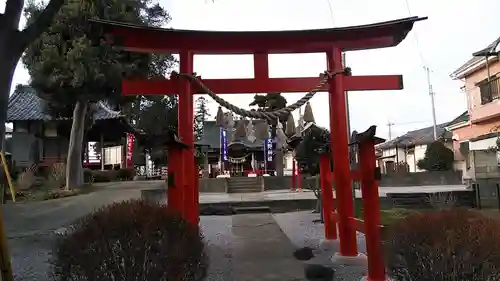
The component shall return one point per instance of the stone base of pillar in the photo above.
(359, 260)
(365, 278)
(329, 245)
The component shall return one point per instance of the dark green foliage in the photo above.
(70, 62)
(87, 176)
(307, 153)
(437, 158)
(445, 245)
(157, 117)
(73, 69)
(270, 102)
(130, 241)
(125, 174)
(104, 176)
(200, 116)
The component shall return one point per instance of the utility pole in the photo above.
(431, 93)
(389, 125)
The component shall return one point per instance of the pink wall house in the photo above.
(476, 131)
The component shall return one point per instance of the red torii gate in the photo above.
(331, 41)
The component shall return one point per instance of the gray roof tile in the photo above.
(464, 117)
(417, 137)
(24, 104)
(477, 56)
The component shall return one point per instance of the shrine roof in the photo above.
(24, 104)
(211, 137)
(152, 39)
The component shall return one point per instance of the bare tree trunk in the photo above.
(8, 60)
(13, 43)
(74, 168)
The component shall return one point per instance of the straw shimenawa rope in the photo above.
(271, 115)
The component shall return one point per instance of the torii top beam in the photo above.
(138, 38)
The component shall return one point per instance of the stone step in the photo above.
(254, 209)
(243, 190)
(242, 182)
(244, 185)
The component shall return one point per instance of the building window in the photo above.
(490, 91)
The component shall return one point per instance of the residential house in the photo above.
(406, 150)
(39, 139)
(476, 132)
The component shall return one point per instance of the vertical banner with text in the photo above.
(268, 150)
(129, 163)
(223, 144)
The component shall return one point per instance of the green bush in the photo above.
(444, 245)
(87, 176)
(437, 158)
(129, 241)
(126, 174)
(104, 176)
(56, 194)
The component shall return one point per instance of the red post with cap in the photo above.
(340, 153)
(371, 204)
(327, 205)
(175, 192)
(186, 133)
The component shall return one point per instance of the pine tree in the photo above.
(200, 116)
(74, 68)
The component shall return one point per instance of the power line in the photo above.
(417, 43)
(331, 12)
(428, 71)
(411, 122)
(392, 124)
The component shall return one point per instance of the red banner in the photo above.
(130, 151)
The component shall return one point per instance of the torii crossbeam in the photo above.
(331, 41)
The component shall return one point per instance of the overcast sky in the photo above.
(455, 29)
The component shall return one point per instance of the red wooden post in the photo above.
(299, 179)
(175, 194)
(197, 191)
(369, 190)
(340, 152)
(186, 124)
(327, 197)
(294, 175)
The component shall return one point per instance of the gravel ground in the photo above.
(301, 230)
(31, 253)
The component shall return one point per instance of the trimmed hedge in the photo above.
(113, 175)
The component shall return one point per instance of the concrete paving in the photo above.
(308, 194)
(300, 229)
